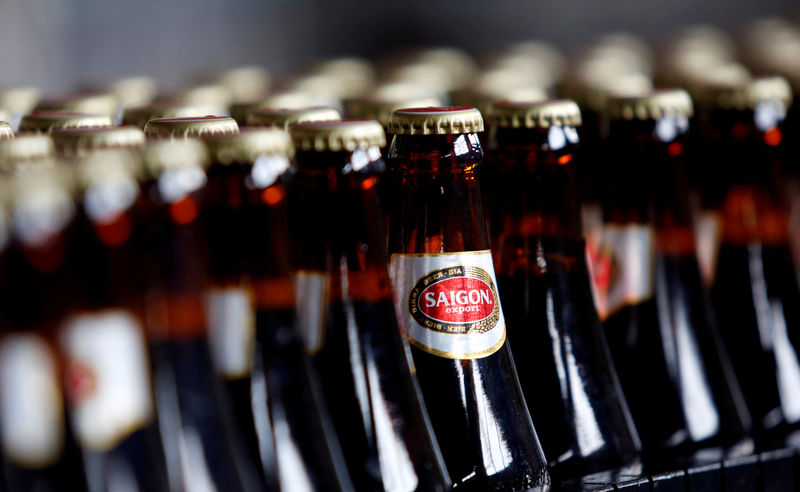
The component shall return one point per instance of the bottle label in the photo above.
(108, 377)
(447, 304)
(31, 412)
(621, 262)
(231, 330)
(312, 295)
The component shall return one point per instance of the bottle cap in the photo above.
(541, 114)
(248, 145)
(6, 131)
(737, 90)
(45, 122)
(79, 141)
(190, 127)
(134, 91)
(442, 69)
(380, 102)
(246, 84)
(663, 102)
(20, 100)
(25, 148)
(503, 83)
(336, 78)
(160, 155)
(536, 53)
(441, 120)
(337, 136)
(285, 117)
(206, 94)
(140, 115)
(82, 102)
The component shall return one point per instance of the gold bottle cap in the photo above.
(246, 84)
(289, 100)
(46, 122)
(441, 120)
(134, 91)
(337, 136)
(206, 94)
(110, 165)
(20, 100)
(382, 101)
(499, 83)
(541, 114)
(660, 103)
(6, 132)
(248, 145)
(442, 69)
(160, 155)
(25, 148)
(80, 141)
(541, 52)
(190, 127)
(140, 115)
(285, 117)
(82, 102)
(336, 78)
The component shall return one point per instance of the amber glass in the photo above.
(361, 357)
(664, 340)
(202, 443)
(564, 366)
(34, 295)
(476, 405)
(103, 262)
(281, 399)
(754, 287)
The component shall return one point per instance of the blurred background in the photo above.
(57, 44)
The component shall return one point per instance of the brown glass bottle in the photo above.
(202, 443)
(439, 251)
(39, 451)
(656, 314)
(268, 375)
(753, 286)
(108, 377)
(563, 362)
(347, 314)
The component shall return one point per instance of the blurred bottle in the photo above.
(18, 101)
(204, 448)
(448, 307)
(753, 284)
(379, 103)
(240, 111)
(664, 342)
(26, 150)
(246, 83)
(133, 90)
(346, 311)
(93, 102)
(79, 142)
(284, 117)
(565, 370)
(46, 122)
(107, 378)
(39, 450)
(295, 438)
(330, 81)
(6, 132)
(215, 95)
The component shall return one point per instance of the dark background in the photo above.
(57, 44)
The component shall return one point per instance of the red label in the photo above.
(458, 300)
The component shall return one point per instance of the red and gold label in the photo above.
(447, 304)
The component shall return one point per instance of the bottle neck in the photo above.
(438, 202)
(531, 182)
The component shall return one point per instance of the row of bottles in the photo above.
(198, 306)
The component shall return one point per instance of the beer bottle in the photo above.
(753, 287)
(200, 439)
(295, 437)
(247, 83)
(139, 115)
(448, 306)
(107, 378)
(674, 369)
(39, 451)
(284, 117)
(348, 319)
(46, 122)
(133, 91)
(77, 142)
(569, 382)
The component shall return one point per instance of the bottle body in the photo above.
(478, 411)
